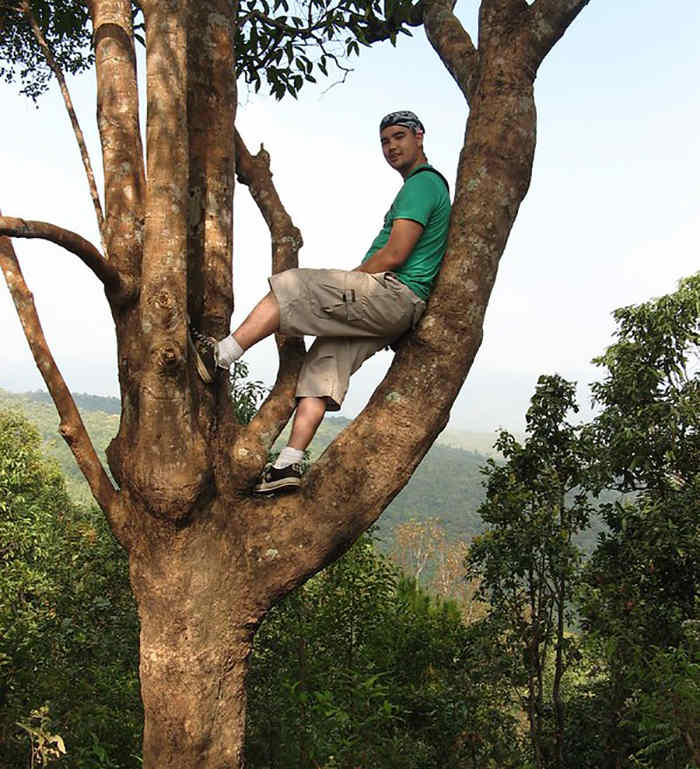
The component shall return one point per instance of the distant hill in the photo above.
(83, 401)
(469, 441)
(101, 425)
(447, 485)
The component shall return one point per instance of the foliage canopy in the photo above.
(280, 43)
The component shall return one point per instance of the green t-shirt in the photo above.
(424, 199)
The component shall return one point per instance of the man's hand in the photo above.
(402, 240)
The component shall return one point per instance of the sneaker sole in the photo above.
(282, 483)
(202, 370)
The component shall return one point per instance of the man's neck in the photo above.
(420, 162)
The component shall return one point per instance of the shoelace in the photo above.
(207, 341)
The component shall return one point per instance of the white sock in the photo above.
(288, 456)
(228, 351)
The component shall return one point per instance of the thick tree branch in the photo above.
(211, 111)
(53, 64)
(71, 427)
(124, 190)
(211, 100)
(549, 19)
(161, 461)
(118, 289)
(118, 122)
(452, 44)
(252, 445)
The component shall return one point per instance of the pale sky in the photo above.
(611, 218)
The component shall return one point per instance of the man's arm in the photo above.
(402, 240)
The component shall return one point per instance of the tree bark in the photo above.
(211, 109)
(197, 625)
(207, 560)
(124, 194)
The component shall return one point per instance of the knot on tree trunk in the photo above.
(169, 358)
(172, 490)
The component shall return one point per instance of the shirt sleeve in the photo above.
(416, 199)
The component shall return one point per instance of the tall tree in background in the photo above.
(206, 560)
(527, 559)
(641, 599)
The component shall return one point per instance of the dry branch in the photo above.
(250, 449)
(254, 172)
(71, 427)
(53, 64)
(117, 287)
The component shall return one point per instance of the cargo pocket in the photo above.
(345, 305)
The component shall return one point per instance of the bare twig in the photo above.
(71, 427)
(53, 64)
(118, 287)
(346, 72)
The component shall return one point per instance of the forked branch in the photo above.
(254, 442)
(53, 64)
(71, 427)
(549, 20)
(452, 44)
(118, 287)
(254, 172)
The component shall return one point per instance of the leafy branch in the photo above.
(283, 43)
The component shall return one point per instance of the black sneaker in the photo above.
(279, 479)
(204, 349)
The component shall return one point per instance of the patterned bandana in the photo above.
(403, 117)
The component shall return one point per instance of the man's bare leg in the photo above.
(307, 418)
(285, 473)
(263, 320)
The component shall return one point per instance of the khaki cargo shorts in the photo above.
(353, 314)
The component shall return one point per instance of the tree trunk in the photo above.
(197, 626)
(193, 690)
(559, 662)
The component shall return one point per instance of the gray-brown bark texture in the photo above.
(207, 560)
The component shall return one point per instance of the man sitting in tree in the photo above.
(352, 314)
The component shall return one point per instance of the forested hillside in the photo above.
(447, 485)
(101, 420)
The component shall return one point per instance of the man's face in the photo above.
(402, 148)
